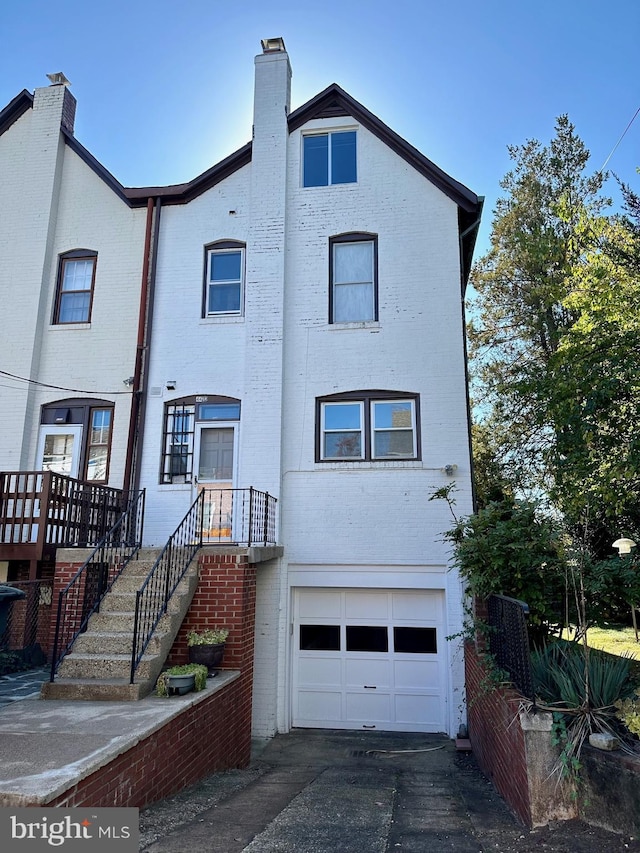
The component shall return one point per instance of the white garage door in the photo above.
(369, 659)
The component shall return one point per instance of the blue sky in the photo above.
(165, 89)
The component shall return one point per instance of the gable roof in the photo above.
(331, 102)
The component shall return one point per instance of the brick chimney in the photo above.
(57, 102)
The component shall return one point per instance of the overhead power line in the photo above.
(624, 132)
(56, 387)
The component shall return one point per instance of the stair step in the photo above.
(105, 690)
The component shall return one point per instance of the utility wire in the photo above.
(620, 140)
(56, 387)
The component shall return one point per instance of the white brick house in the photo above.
(304, 336)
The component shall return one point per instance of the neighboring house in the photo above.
(303, 311)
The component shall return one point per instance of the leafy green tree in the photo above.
(555, 337)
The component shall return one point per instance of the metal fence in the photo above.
(509, 640)
(25, 625)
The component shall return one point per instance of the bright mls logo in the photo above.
(36, 829)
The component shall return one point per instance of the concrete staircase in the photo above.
(98, 667)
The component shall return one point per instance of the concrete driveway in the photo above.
(315, 791)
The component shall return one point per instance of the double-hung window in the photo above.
(224, 279)
(367, 425)
(76, 276)
(329, 158)
(353, 274)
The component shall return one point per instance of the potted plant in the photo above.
(178, 680)
(207, 647)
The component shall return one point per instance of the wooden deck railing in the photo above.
(41, 511)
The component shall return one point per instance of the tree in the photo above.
(555, 336)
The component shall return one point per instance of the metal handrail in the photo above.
(166, 573)
(238, 516)
(83, 594)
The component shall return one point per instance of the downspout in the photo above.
(138, 367)
(144, 378)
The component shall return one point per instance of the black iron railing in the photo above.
(238, 516)
(509, 640)
(84, 592)
(168, 570)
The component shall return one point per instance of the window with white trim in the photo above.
(367, 425)
(353, 275)
(224, 280)
(329, 158)
(74, 293)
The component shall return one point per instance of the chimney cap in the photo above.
(58, 79)
(275, 45)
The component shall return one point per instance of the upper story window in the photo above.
(74, 294)
(367, 425)
(353, 274)
(224, 279)
(329, 158)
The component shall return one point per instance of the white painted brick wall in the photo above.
(54, 203)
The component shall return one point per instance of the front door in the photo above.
(215, 460)
(59, 449)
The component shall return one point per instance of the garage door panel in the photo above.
(361, 604)
(370, 707)
(422, 608)
(424, 710)
(312, 602)
(416, 673)
(320, 671)
(376, 671)
(320, 705)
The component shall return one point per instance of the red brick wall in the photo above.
(208, 737)
(495, 733)
(214, 734)
(225, 598)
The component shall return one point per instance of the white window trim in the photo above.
(329, 131)
(208, 315)
(374, 429)
(325, 431)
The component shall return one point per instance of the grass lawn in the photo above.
(616, 640)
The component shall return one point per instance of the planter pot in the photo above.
(178, 685)
(209, 656)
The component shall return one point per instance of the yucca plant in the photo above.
(581, 687)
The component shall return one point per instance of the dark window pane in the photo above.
(316, 161)
(224, 297)
(342, 445)
(367, 638)
(419, 641)
(219, 412)
(225, 266)
(343, 157)
(324, 638)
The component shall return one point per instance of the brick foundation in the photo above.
(208, 737)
